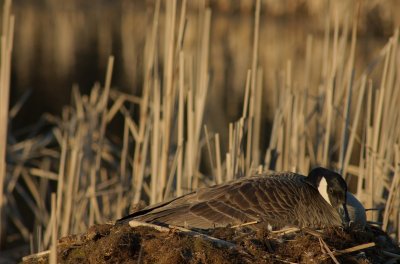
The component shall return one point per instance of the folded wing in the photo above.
(271, 199)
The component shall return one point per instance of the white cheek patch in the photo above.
(323, 190)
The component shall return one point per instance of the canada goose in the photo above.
(278, 199)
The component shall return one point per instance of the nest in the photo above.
(147, 243)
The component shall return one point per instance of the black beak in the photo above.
(344, 215)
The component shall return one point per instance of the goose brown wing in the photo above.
(271, 199)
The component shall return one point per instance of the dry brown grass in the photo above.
(336, 117)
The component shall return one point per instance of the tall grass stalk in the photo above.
(7, 35)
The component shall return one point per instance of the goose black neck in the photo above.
(316, 174)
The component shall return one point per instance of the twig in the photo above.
(313, 232)
(356, 248)
(286, 231)
(36, 256)
(245, 224)
(219, 242)
(328, 250)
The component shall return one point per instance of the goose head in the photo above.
(333, 188)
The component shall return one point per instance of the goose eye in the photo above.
(330, 190)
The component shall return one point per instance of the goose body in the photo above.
(278, 199)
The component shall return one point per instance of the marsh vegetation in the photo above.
(110, 150)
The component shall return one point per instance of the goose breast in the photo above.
(356, 211)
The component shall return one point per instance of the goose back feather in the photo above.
(278, 199)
